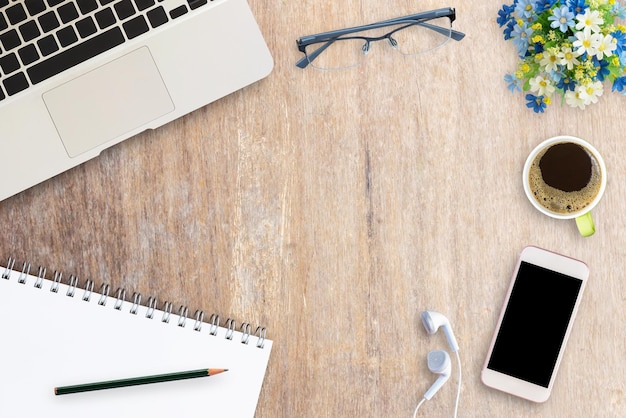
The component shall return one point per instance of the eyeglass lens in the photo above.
(406, 38)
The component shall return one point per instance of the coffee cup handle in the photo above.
(585, 224)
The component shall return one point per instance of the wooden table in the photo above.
(333, 207)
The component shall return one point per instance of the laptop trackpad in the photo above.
(109, 101)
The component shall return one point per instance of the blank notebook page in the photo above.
(50, 339)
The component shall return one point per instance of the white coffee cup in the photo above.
(584, 221)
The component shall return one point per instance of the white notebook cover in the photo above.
(50, 339)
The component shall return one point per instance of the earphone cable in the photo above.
(458, 389)
(418, 407)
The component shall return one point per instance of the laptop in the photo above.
(78, 76)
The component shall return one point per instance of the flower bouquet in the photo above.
(567, 48)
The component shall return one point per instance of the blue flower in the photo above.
(504, 14)
(620, 43)
(543, 5)
(525, 8)
(561, 18)
(566, 84)
(619, 85)
(508, 30)
(513, 83)
(519, 37)
(535, 103)
(619, 11)
(576, 6)
(601, 69)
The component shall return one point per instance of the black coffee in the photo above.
(565, 178)
(566, 167)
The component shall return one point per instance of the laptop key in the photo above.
(47, 45)
(124, 9)
(157, 17)
(35, 7)
(135, 27)
(29, 31)
(16, 14)
(28, 54)
(9, 63)
(105, 18)
(178, 11)
(10, 40)
(144, 4)
(3, 22)
(194, 4)
(86, 27)
(75, 55)
(48, 22)
(67, 12)
(87, 6)
(67, 36)
(15, 84)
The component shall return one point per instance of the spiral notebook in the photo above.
(55, 332)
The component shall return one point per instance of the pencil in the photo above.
(134, 381)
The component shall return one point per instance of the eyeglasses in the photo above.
(409, 35)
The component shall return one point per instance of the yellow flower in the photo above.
(578, 73)
(536, 26)
(546, 100)
(615, 62)
(519, 74)
(524, 67)
(538, 39)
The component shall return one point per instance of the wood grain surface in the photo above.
(333, 207)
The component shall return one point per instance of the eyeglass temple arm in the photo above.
(306, 60)
(445, 12)
(454, 34)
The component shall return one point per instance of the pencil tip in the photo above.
(216, 371)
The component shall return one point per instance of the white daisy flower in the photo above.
(542, 86)
(568, 58)
(590, 19)
(586, 42)
(605, 47)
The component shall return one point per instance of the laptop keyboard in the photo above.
(42, 38)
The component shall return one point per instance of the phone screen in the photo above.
(534, 324)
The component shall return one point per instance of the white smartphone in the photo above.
(534, 324)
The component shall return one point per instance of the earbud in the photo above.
(433, 320)
(439, 363)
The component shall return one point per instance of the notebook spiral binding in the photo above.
(120, 298)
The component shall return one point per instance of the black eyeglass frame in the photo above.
(421, 19)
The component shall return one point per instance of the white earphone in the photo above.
(439, 363)
(433, 321)
(439, 360)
